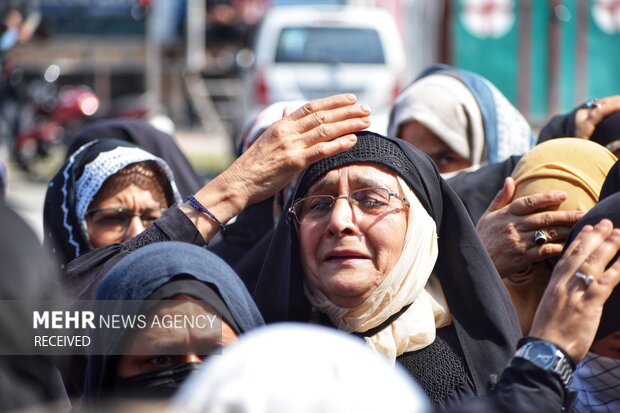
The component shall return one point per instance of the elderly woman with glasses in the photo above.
(379, 246)
(107, 192)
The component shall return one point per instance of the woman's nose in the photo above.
(135, 227)
(341, 219)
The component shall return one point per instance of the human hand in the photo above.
(586, 119)
(508, 225)
(318, 129)
(570, 310)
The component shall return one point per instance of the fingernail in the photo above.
(365, 108)
(616, 231)
(561, 195)
(350, 96)
(580, 215)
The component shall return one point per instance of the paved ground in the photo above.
(26, 196)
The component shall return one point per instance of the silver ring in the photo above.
(592, 103)
(587, 279)
(540, 237)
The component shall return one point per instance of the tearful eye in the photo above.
(371, 198)
(369, 202)
(320, 205)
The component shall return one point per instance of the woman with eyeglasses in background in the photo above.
(107, 192)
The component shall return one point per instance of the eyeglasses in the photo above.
(114, 222)
(367, 201)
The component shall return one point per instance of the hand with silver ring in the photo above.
(587, 279)
(540, 237)
(511, 228)
(569, 314)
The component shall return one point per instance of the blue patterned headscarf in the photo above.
(75, 185)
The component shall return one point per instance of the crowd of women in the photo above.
(458, 264)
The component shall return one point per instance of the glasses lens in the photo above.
(371, 200)
(313, 208)
(112, 221)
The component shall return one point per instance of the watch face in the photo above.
(542, 354)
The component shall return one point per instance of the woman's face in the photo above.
(174, 345)
(446, 159)
(347, 254)
(121, 214)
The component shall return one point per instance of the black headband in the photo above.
(370, 148)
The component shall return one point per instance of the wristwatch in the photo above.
(548, 357)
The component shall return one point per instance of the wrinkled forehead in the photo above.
(355, 176)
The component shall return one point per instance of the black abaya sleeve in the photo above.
(560, 126)
(82, 275)
(524, 388)
(478, 188)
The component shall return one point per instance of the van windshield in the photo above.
(329, 45)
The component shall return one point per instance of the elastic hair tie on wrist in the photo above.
(193, 202)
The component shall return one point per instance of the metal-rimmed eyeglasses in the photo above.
(367, 201)
(114, 222)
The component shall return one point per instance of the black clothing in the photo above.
(607, 131)
(27, 274)
(522, 388)
(606, 208)
(83, 275)
(478, 188)
(561, 126)
(443, 358)
(150, 139)
(612, 182)
(158, 272)
(483, 315)
(243, 234)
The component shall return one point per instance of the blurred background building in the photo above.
(187, 64)
(545, 56)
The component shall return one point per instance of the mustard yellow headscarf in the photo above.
(575, 166)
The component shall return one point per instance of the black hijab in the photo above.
(606, 133)
(482, 313)
(27, 273)
(606, 208)
(161, 271)
(146, 136)
(478, 188)
(612, 182)
(64, 233)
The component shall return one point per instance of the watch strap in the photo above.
(563, 365)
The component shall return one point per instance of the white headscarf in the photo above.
(467, 112)
(447, 108)
(410, 281)
(299, 368)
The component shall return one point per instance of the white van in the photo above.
(304, 53)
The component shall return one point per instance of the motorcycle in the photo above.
(50, 115)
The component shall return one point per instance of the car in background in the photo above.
(304, 53)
